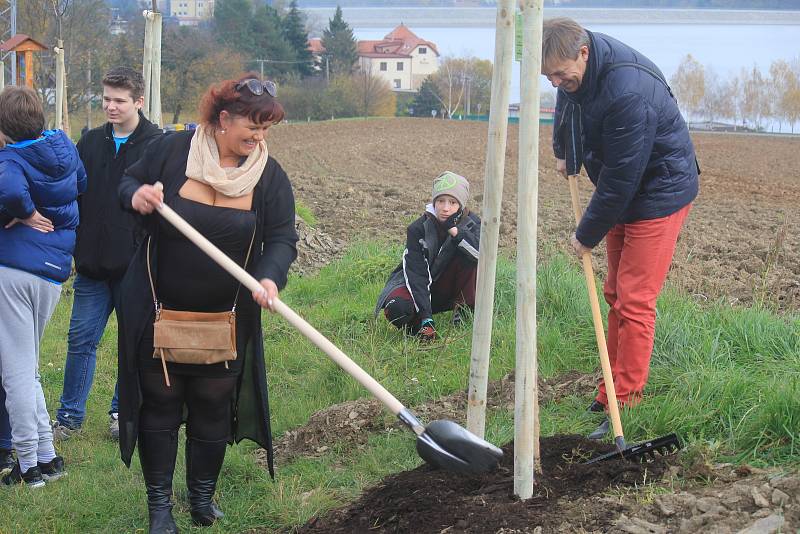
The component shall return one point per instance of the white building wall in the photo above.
(398, 78)
(423, 65)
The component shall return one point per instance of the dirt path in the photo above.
(369, 178)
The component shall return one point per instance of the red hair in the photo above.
(223, 96)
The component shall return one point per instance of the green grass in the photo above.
(305, 213)
(726, 380)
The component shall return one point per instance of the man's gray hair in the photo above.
(562, 39)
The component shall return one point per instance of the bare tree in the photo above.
(191, 63)
(755, 98)
(450, 82)
(784, 83)
(710, 104)
(688, 82)
(374, 94)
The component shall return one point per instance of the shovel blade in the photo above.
(449, 446)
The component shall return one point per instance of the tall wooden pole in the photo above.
(155, 90)
(147, 60)
(89, 94)
(60, 84)
(526, 393)
(490, 217)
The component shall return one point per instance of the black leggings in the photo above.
(208, 402)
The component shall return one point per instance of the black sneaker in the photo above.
(596, 407)
(52, 470)
(6, 461)
(31, 478)
(458, 320)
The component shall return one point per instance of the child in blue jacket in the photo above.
(41, 177)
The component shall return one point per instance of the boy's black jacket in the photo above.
(426, 257)
(107, 236)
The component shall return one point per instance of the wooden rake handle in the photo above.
(323, 343)
(605, 364)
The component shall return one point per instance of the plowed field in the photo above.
(369, 178)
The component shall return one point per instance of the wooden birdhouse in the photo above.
(24, 46)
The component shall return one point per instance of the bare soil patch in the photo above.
(426, 500)
(370, 178)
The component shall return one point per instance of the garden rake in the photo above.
(642, 451)
(441, 443)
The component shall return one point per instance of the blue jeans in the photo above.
(5, 424)
(92, 303)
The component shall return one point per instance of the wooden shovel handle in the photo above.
(605, 364)
(323, 343)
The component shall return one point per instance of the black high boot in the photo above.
(203, 463)
(157, 452)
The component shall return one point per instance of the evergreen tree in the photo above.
(294, 31)
(268, 42)
(340, 45)
(426, 100)
(232, 22)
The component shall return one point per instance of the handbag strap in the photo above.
(246, 259)
(238, 289)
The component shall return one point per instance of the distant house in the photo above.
(317, 51)
(191, 12)
(401, 58)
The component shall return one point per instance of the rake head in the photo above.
(643, 452)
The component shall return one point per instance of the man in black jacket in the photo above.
(106, 239)
(615, 115)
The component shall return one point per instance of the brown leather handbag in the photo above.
(193, 337)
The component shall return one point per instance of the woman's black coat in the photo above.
(273, 252)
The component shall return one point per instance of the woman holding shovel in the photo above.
(190, 335)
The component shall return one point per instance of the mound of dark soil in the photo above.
(433, 501)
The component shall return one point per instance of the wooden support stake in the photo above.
(60, 84)
(526, 391)
(147, 60)
(155, 81)
(490, 216)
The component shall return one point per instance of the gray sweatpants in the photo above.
(26, 304)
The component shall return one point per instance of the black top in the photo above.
(203, 285)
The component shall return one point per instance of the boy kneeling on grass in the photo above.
(440, 263)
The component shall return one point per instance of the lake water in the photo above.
(724, 48)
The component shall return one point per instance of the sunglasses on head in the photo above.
(258, 87)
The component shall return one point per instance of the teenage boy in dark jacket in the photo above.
(440, 263)
(621, 122)
(107, 238)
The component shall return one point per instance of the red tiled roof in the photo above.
(17, 40)
(315, 45)
(400, 42)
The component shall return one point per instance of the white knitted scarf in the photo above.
(203, 165)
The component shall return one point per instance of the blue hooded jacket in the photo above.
(46, 175)
(633, 141)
